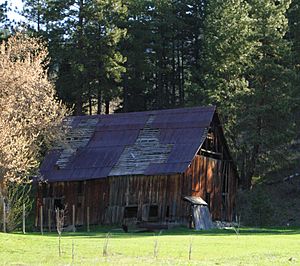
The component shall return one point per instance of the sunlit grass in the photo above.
(270, 246)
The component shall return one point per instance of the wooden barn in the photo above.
(130, 167)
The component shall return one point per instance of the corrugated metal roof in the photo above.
(165, 168)
(195, 200)
(108, 138)
(149, 143)
(183, 153)
(180, 135)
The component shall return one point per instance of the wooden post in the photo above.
(73, 254)
(24, 215)
(73, 217)
(4, 217)
(41, 219)
(49, 220)
(88, 218)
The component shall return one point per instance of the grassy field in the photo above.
(271, 246)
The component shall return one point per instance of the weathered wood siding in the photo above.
(211, 179)
(108, 198)
(82, 194)
(215, 182)
(165, 192)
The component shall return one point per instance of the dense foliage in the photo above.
(242, 56)
(3, 19)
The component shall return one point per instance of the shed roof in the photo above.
(138, 143)
(195, 200)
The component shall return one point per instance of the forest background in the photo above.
(241, 55)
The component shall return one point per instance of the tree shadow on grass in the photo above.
(115, 232)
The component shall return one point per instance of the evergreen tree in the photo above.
(162, 51)
(3, 20)
(265, 121)
(136, 80)
(228, 47)
(294, 31)
(83, 38)
(246, 69)
(35, 11)
(294, 38)
(3, 10)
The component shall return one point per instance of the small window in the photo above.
(130, 212)
(153, 211)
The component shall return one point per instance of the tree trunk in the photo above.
(173, 98)
(90, 106)
(251, 169)
(99, 102)
(78, 106)
(107, 107)
(182, 75)
(125, 96)
(38, 16)
(179, 74)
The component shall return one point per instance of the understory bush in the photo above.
(17, 194)
(255, 208)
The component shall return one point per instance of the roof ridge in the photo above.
(155, 111)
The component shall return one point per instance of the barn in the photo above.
(139, 167)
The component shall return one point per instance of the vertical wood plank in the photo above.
(73, 217)
(49, 220)
(88, 218)
(41, 219)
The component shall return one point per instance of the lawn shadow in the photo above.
(116, 232)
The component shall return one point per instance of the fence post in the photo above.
(4, 216)
(41, 219)
(88, 218)
(49, 220)
(24, 215)
(73, 207)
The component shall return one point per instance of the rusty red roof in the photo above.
(140, 143)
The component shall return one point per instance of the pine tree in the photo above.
(34, 11)
(294, 31)
(247, 68)
(228, 48)
(3, 10)
(3, 20)
(294, 38)
(83, 38)
(162, 50)
(265, 121)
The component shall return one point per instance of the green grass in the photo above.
(269, 246)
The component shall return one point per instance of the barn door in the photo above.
(203, 171)
(206, 182)
(213, 187)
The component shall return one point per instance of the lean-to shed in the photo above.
(139, 167)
